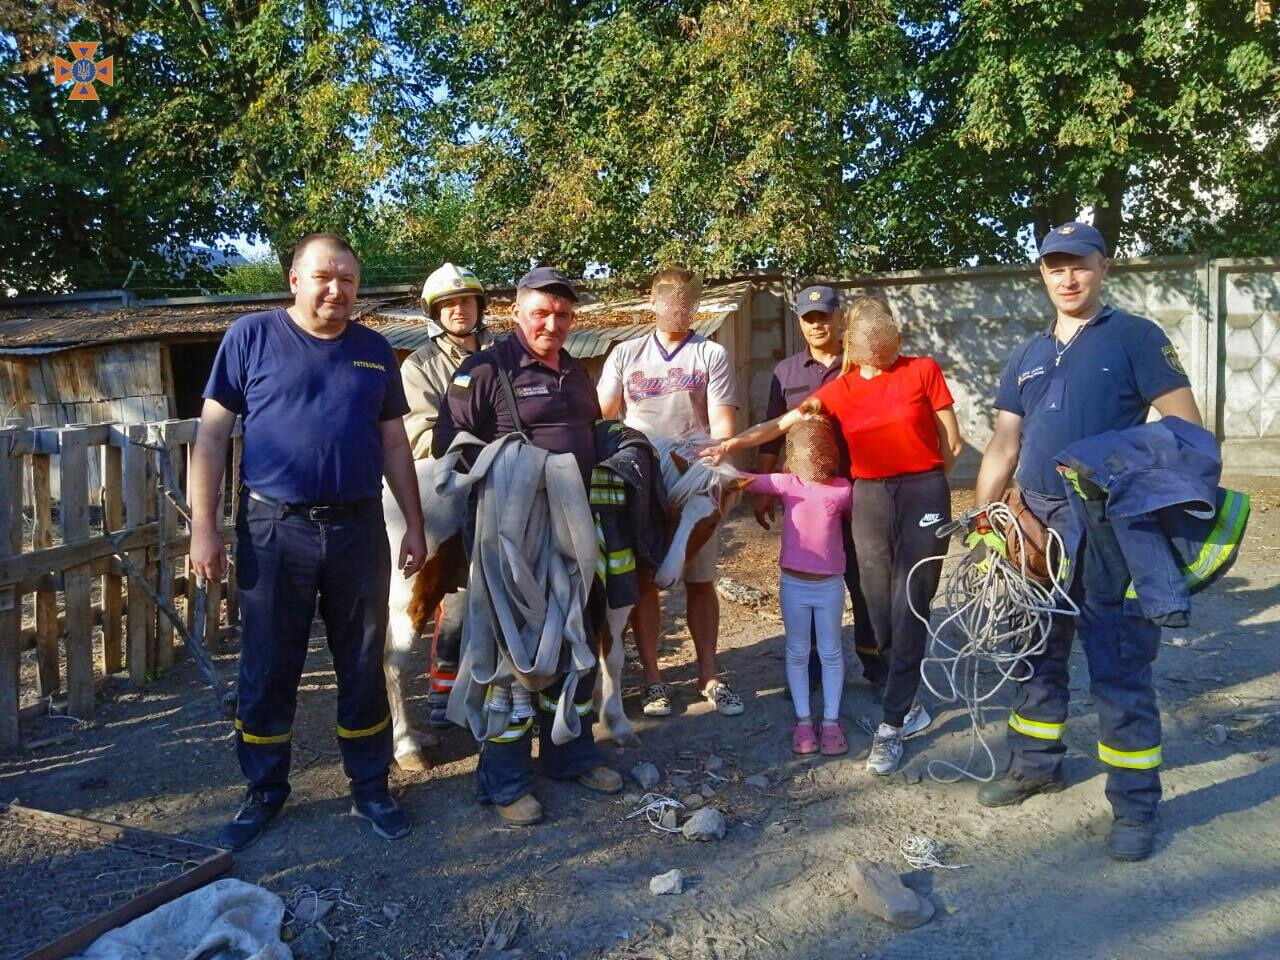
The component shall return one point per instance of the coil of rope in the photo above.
(992, 619)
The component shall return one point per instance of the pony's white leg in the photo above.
(697, 508)
(609, 684)
(399, 647)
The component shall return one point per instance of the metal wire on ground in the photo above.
(652, 807)
(925, 853)
(992, 620)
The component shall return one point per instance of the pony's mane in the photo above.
(701, 477)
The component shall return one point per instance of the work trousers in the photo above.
(1119, 650)
(813, 608)
(505, 771)
(895, 525)
(286, 563)
(446, 646)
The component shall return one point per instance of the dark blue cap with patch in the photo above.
(816, 298)
(549, 279)
(1078, 239)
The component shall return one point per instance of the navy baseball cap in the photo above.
(548, 278)
(816, 298)
(1078, 239)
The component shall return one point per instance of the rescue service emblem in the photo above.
(1171, 355)
(815, 296)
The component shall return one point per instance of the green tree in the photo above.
(622, 134)
(1142, 109)
(267, 117)
(819, 136)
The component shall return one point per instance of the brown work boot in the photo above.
(525, 812)
(601, 780)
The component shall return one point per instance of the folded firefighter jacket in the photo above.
(533, 559)
(629, 505)
(1146, 502)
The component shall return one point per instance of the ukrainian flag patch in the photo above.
(462, 381)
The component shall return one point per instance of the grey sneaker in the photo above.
(886, 751)
(916, 721)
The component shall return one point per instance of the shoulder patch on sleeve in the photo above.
(1171, 356)
(462, 381)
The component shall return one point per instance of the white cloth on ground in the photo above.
(226, 920)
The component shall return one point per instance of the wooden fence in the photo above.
(47, 588)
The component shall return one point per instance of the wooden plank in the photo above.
(48, 626)
(10, 601)
(167, 516)
(74, 510)
(112, 599)
(136, 496)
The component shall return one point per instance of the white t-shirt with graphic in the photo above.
(669, 393)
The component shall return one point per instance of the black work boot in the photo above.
(251, 821)
(1131, 840)
(388, 819)
(1014, 788)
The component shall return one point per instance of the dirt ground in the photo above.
(1035, 881)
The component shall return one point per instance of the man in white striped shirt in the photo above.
(677, 384)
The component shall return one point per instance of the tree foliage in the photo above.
(267, 117)
(607, 136)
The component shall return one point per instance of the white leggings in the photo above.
(814, 608)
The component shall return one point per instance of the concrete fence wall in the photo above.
(1222, 315)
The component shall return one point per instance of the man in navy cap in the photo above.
(794, 379)
(1095, 368)
(556, 403)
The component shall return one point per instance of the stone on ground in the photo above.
(705, 824)
(670, 882)
(646, 774)
(881, 893)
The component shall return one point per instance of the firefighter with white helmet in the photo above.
(453, 301)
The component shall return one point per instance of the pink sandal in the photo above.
(804, 739)
(834, 743)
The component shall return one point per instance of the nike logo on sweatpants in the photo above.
(929, 519)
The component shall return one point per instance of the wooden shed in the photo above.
(106, 358)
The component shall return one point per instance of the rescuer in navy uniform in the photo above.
(556, 403)
(321, 402)
(1094, 369)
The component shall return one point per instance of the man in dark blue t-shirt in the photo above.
(1095, 368)
(321, 402)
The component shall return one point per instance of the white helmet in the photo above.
(449, 282)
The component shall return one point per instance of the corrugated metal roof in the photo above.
(65, 326)
(582, 343)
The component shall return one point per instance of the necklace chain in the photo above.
(1060, 348)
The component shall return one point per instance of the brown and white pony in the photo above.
(699, 495)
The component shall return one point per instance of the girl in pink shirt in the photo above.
(816, 504)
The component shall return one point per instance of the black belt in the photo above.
(319, 512)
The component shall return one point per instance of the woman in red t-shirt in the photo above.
(896, 415)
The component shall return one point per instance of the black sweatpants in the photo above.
(895, 525)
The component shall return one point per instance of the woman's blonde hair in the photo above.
(871, 336)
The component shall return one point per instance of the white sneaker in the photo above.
(916, 721)
(886, 751)
(725, 700)
(657, 700)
